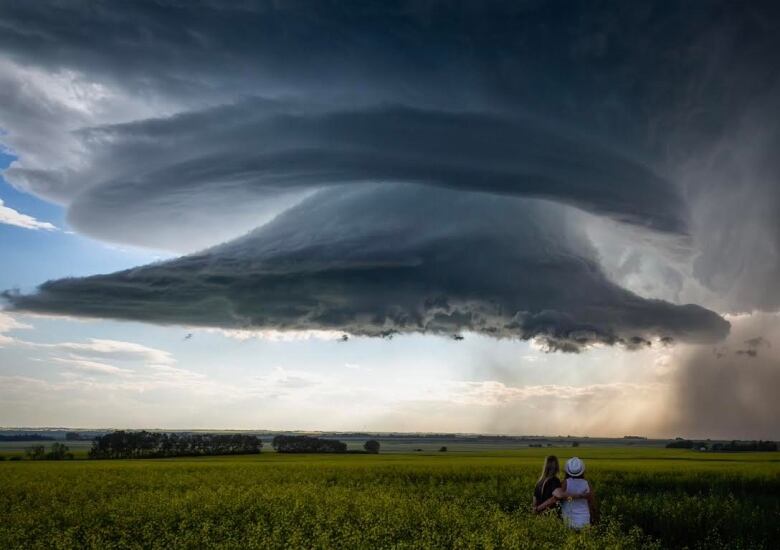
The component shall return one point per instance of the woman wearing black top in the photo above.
(548, 482)
(544, 499)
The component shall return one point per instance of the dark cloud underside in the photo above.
(387, 259)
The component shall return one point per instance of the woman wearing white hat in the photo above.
(577, 503)
(548, 493)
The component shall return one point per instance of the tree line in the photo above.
(143, 444)
(745, 446)
(25, 437)
(309, 444)
(58, 451)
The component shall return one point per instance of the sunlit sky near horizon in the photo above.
(605, 239)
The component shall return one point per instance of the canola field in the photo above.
(649, 498)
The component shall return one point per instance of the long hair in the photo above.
(550, 468)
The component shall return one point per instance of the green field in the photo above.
(648, 498)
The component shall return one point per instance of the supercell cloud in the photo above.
(383, 259)
(247, 160)
(520, 169)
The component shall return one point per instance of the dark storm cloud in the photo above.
(181, 125)
(752, 346)
(736, 191)
(392, 259)
(232, 161)
(528, 52)
(528, 98)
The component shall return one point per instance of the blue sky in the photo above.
(37, 256)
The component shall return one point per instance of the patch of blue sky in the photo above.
(30, 257)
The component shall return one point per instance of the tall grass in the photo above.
(379, 502)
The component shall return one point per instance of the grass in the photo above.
(649, 498)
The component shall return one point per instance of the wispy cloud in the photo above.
(88, 366)
(117, 349)
(279, 335)
(7, 324)
(9, 216)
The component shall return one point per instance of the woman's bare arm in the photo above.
(562, 494)
(550, 502)
(561, 491)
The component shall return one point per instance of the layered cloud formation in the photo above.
(252, 159)
(425, 168)
(382, 259)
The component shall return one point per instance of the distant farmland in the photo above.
(649, 498)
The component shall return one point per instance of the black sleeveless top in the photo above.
(544, 489)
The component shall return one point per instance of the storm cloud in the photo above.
(415, 167)
(389, 259)
(248, 161)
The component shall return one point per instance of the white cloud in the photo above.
(7, 324)
(286, 382)
(491, 393)
(169, 373)
(116, 349)
(13, 385)
(9, 216)
(280, 335)
(94, 367)
(152, 368)
(94, 350)
(90, 378)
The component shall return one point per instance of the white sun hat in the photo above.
(575, 467)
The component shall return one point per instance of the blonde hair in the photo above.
(550, 468)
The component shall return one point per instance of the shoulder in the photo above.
(555, 482)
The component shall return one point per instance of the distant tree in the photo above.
(36, 452)
(72, 436)
(143, 444)
(443, 450)
(575, 444)
(746, 446)
(371, 446)
(307, 444)
(680, 444)
(15, 457)
(59, 451)
(2, 457)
